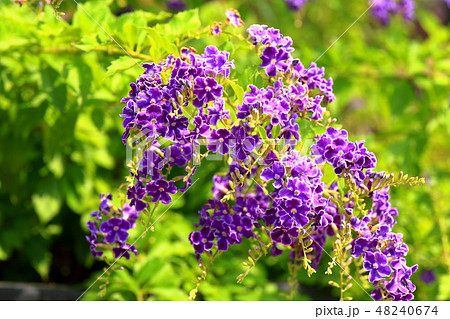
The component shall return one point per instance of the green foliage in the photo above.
(60, 87)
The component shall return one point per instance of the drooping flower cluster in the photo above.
(157, 109)
(109, 229)
(383, 250)
(270, 190)
(297, 200)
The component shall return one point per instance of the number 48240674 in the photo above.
(406, 310)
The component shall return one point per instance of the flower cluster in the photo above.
(109, 229)
(383, 251)
(347, 158)
(271, 194)
(380, 9)
(157, 109)
(383, 9)
(296, 93)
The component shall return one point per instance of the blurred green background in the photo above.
(61, 81)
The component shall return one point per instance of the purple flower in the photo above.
(383, 9)
(361, 245)
(274, 60)
(428, 276)
(92, 227)
(206, 90)
(151, 96)
(151, 121)
(130, 214)
(176, 6)
(285, 236)
(247, 207)
(294, 210)
(175, 155)
(275, 172)
(295, 4)
(243, 225)
(216, 62)
(234, 18)
(218, 112)
(225, 234)
(150, 165)
(160, 190)
(202, 240)
(104, 208)
(400, 287)
(136, 193)
(296, 188)
(220, 141)
(377, 264)
(216, 29)
(243, 143)
(176, 126)
(257, 96)
(115, 228)
(257, 32)
(128, 112)
(201, 129)
(95, 253)
(344, 156)
(124, 251)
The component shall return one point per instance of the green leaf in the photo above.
(238, 90)
(160, 45)
(368, 202)
(342, 187)
(89, 15)
(181, 24)
(60, 135)
(262, 132)
(401, 96)
(3, 254)
(87, 43)
(444, 288)
(53, 85)
(329, 176)
(56, 165)
(276, 130)
(46, 206)
(36, 249)
(121, 64)
(9, 43)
